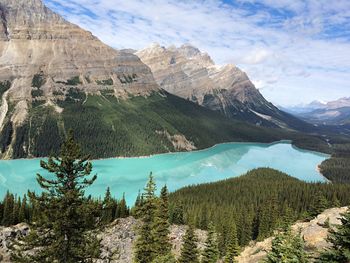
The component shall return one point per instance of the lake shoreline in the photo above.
(194, 151)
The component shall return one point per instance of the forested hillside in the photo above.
(107, 126)
(337, 168)
(257, 203)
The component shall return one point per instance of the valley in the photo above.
(161, 154)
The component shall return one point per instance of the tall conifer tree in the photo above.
(145, 244)
(232, 248)
(189, 250)
(60, 232)
(161, 225)
(7, 218)
(211, 251)
(107, 207)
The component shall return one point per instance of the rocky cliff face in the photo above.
(191, 74)
(40, 50)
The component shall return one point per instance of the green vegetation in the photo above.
(189, 250)
(107, 82)
(337, 168)
(37, 93)
(74, 81)
(340, 240)
(232, 247)
(127, 78)
(287, 248)
(4, 86)
(153, 241)
(211, 250)
(107, 92)
(57, 93)
(38, 80)
(259, 202)
(60, 232)
(6, 136)
(38, 103)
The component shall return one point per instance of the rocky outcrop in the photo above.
(191, 74)
(314, 233)
(7, 235)
(116, 240)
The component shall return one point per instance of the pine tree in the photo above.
(23, 214)
(16, 208)
(145, 244)
(189, 250)
(232, 249)
(137, 209)
(161, 225)
(287, 248)
(60, 232)
(287, 218)
(211, 251)
(320, 203)
(177, 215)
(169, 258)
(340, 239)
(7, 218)
(203, 219)
(223, 238)
(122, 208)
(107, 207)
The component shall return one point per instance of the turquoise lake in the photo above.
(128, 175)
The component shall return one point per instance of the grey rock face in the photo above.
(117, 240)
(191, 74)
(35, 40)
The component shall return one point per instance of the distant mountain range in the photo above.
(55, 76)
(331, 113)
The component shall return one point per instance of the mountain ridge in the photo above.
(330, 113)
(187, 72)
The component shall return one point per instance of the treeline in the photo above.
(257, 203)
(337, 168)
(14, 210)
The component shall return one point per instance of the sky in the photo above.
(294, 51)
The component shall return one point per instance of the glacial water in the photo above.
(129, 175)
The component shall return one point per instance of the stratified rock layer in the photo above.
(36, 41)
(191, 74)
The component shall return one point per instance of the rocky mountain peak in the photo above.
(35, 40)
(189, 73)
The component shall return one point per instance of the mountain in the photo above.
(191, 74)
(331, 113)
(304, 108)
(55, 76)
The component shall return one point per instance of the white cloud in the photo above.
(297, 47)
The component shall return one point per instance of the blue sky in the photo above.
(295, 51)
